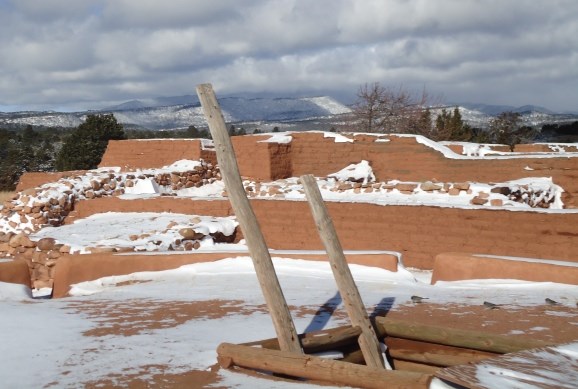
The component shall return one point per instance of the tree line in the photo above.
(387, 109)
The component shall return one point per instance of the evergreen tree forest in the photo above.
(45, 149)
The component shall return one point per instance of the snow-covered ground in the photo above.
(146, 323)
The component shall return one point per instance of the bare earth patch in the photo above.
(131, 317)
(158, 379)
(556, 324)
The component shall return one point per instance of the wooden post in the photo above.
(284, 326)
(349, 293)
(316, 368)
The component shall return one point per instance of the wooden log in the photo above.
(352, 301)
(315, 368)
(318, 341)
(414, 366)
(432, 353)
(454, 337)
(276, 303)
(353, 356)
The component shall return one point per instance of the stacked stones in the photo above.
(202, 174)
(32, 209)
(40, 256)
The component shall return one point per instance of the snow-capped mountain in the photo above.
(263, 112)
(183, 111)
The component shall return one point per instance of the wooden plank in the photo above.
(318, 341)
(432, 353)
(352, 301)
(545, 367)
(282, 321)
(454, 337)
(315, 368)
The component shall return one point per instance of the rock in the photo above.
(462, 185)
(190, 234)
(39, 257)
(430, 186)
(496, 202)
(46, 244)
(39, 284)
(503, 190)
(65, 249)
(454, 192)
(405, 187)
(343, 186)
(478, 201)
(98, 250)
(483, 195)
(5, 236)
(54, 254)
(21, 240)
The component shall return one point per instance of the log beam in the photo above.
(320, 369)
(476, 340)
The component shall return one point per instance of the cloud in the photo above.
(59, 52)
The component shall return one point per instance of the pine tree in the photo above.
(84, 148)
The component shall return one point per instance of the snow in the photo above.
(331, 106)
(338, 138)
(154, 231)
(178, 346)
(282, 138)
(359, 172)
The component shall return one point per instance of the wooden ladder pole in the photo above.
(349, 293)
(284, 326)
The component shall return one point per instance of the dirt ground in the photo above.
(556, 324)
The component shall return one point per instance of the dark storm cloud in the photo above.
(85, 53)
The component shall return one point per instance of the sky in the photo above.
(74, 55)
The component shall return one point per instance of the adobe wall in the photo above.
(154, 153)
(72, 269)
(36, 179)
(15, 272)
(463, 266)
(403, 158)
(406, 229)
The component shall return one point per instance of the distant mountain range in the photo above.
(183, 111)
